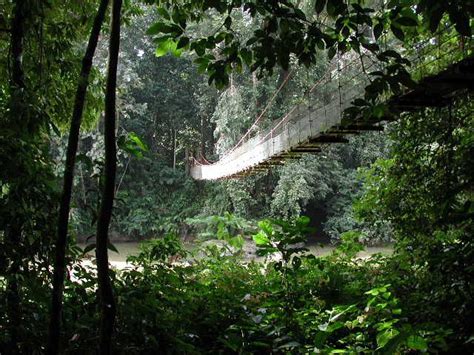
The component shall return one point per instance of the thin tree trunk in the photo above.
(123, 175)
(187, 161)
(63, 218)
(107, 301)
(174, 149)
(17, 37)
(13, 233)
(83, 186)
(203, 137)
(254, 88)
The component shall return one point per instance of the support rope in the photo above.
(260, 116)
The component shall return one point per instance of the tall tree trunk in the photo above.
(63, 218)
(187, 162)
(17, 37)
(174, 149)
(107, 301)
(13, 233)
(281, 79)
(254, 89)
(203, 137)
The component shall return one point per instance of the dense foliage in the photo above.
(192, 78)
(425, 191)
(218, 303)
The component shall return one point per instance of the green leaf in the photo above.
(246, 56)
(183, 42)
(202, 63)
(162, 49)
(237, 242)
(261, 239)
(416, 342)
(390, 53)
(199, 48)
(321, 338)
(319, 6)
(407, 21)
(378, 111)
(303, 221)
(55, 129)
(158, 27)
(435, 19)
(370, 46)
(335, 7)
(296, 262)
(228, 22)
(112, 247)
(132, 144)
(378, 29)
(461, 22)
(168, 46)
(360, 102)
(384, 337)
(136, 139)
(405, 79)
(397, 32)
(163, 13)
(300, 14)
(334, 326)
(266, 226)
(260, 344)
(88, 248)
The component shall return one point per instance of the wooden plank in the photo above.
(306, 150)
(329, 139)
(360, 127)
(343, 131)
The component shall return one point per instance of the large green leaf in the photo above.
(168, 46)
(416, 342)
(384, 337)
(237, 242)
(319, 6)
(261, 239)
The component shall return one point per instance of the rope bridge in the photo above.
(440, 64)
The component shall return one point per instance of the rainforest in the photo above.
(236, 177)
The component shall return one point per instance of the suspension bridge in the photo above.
(443, 66)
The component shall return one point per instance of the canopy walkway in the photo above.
(443, 66)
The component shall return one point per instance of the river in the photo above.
(126, 249)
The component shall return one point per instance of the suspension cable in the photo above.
(260, 116)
